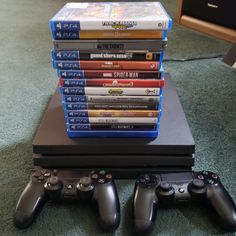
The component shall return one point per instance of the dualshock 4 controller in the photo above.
(52, 185)
(152, 191)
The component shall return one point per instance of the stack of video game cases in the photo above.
(109, 61)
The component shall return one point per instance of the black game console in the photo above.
(154, 191)
(173, 148)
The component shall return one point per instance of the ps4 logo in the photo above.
(59, 54)
(58, 25)
(58, 34)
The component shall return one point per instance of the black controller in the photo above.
(152, 191)
(50, 184)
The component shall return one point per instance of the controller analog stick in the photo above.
(197, 189)
(165, 187)
(85, 181)
(53, 187)
(198, 184)
(53, 181)
(85, 188)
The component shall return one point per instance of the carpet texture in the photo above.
(207, 90)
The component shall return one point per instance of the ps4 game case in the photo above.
(111, 16)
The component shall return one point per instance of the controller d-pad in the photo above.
(40, 178)
(36, 174)
(47, 174)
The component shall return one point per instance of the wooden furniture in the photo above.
(206, 27)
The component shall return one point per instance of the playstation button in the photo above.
(181, 190)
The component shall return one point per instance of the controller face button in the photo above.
(108, 176)
(205, 172)
(101, 181)
(94, 176)
(214, 176)
(36, 174)
(197, 183)
(210, 181)
(102, 172)
(181, 190)
(200, 177)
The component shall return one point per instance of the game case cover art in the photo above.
(111, 15)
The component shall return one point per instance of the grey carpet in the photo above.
(207, 90)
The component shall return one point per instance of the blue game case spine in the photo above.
(112, 134)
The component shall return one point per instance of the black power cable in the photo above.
(195, 58)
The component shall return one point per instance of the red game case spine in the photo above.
(106, 65)
(136, 83)
(127, 74)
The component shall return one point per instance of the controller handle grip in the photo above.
(144, 209)
(30, 203)
(108, 205)
(223, 205)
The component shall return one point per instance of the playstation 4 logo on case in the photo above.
(59, 54)
(59, 34)
(58, 25)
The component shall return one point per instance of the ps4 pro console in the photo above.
(173, 149)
